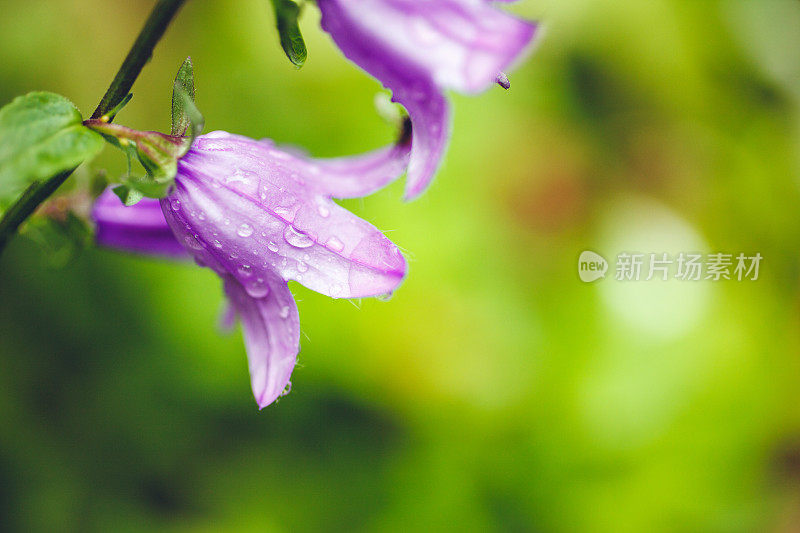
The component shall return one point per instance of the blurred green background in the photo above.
(495, 391)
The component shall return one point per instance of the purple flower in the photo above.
(260, 216)
(417, 48)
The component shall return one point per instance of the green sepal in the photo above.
(158, 153)
(195, 120)
(128, 195)
(41, 135)
(181, 88)
(287, 13)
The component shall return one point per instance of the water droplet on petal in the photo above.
(193, 243)
(258, 288)
(323, 211)
(245, 271)
(297, 238)
(217, 244)
(272, 246)
(175, 204)
(285, 213)
(335, 244)
(302, 267)
(245, 230)
(286, 391)
(284, 312)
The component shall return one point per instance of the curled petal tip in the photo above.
(503, 81)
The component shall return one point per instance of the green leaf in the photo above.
(286, 15)
(183, 87)
(41, 135)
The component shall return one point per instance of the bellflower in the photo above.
(418, 48)
(260, 216)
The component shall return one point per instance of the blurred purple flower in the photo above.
(418, 48)
(140, 229)
(260, 216)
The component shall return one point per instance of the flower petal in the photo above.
(362, 175)
(459, 44)
(271, 327)
(430, 130)
(244, 209)
(139, 228)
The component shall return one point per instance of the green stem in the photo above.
(34, 195)
(140, 53)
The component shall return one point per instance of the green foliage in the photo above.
(62, 238)
(41, 135)
(286, 14)
(158, 153)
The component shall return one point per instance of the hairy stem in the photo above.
(154, 28)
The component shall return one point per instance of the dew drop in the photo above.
(175, 204)
(335, 244)
(296, 238)
(245, 271)
(323, 211)
(217, 244)
(245, 230)
(285, 213)
(302, 267)
(286, 391)
(272, 246)
(284, 312)
(257, 289)
(193, 243)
